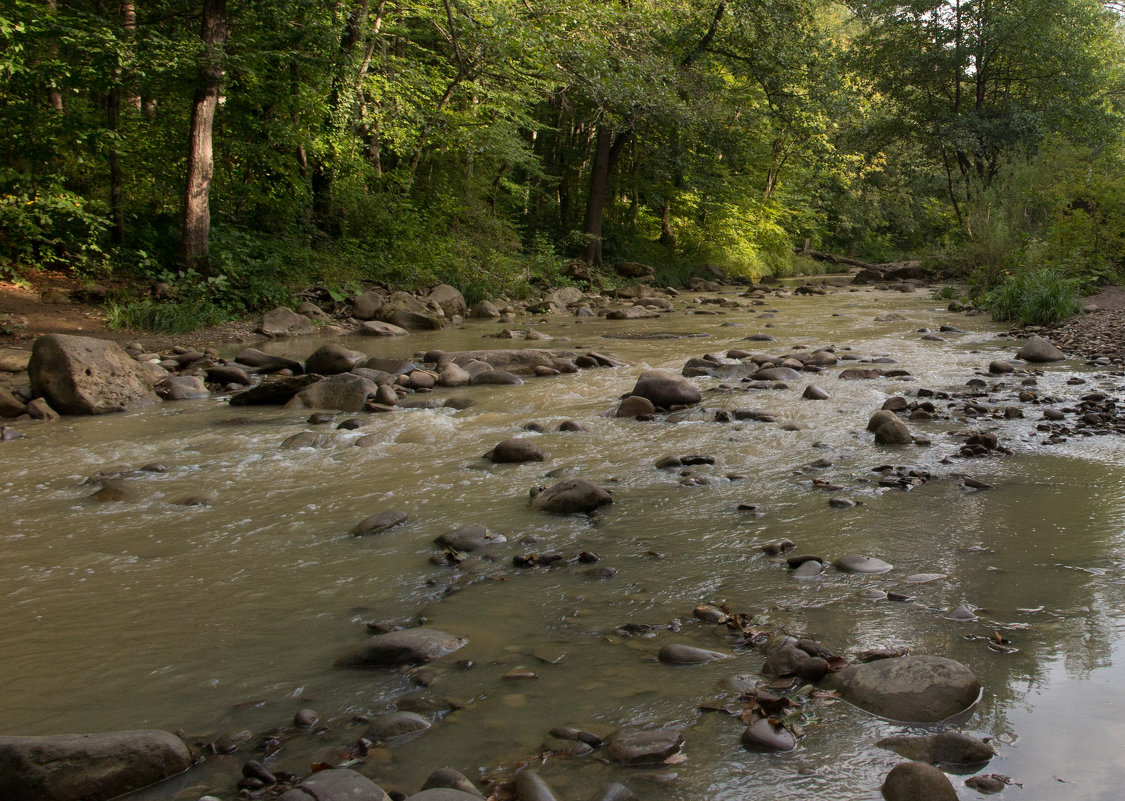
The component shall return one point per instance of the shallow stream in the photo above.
(146, 614)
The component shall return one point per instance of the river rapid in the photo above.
(226, 618)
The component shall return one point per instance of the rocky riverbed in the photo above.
(668, 546)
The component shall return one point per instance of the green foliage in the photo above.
(54, 229)
(165, 317)
(1036, 296)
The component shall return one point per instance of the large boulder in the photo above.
(947, 748)
(913, 689)
(336, 784)
(575, 495)
(83, 375)
(407, 311)
(892, 431)
(484, 310)
(346, 392)
(449, 299)
(87, 767)
(333, 359)
(666, 389)
(1037, 349)
(283, 322)
(415, 321)
(366, 305)
(404, 647)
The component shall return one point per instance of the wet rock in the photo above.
(859, 374)
(617, 792)
(631, 746)
(809, 569)
(814, 392)
(450, 779)
(916, 689)
(858, 563)
(83, 375)
(377, 328)
(39, 409)
(87, 766)
(530, 786)
(516, 450)
(10, 405)
(283, 322)
(333, 359)
(227, 374)
(666, 389)
(345, 392)
(258, 361)
(449, 299)
(635, 406)
(7, 434)
(895, 404)
(998, 367)
(377, 524)
(776, 374)
(305, 439)
(892, 431)
(306, 718)
(842, 503)
(453, 375)
(336, 784)
(469, 538)
(778, 547)
(710, 614)
(404, 647)
(1037, 349)
(765, 735)
(676, 654)
(571, 425)
(395, 724)
(443, 794)
(575, 495)
(988, 783)
(365, 306)
(917, 781)
(313, 312)
(947, 747)
(496, 377)
(786, 660)
(275, 392)
(182, 387)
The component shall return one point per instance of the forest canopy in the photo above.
(233, 152)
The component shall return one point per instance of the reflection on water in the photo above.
(146, 613)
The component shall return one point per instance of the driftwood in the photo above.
(832, 258)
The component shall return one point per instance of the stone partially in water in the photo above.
(83, 375)
(947, 747)
(394, 725)
(677, 654)
(858, 563)
(450, 779)
(66, 767)
(575, 495)
(530, 786)
(666, 389)
(631, 746)
(344, 784)
(914, 689)
(917, 781)
(764, 735)
(1037, 349)
(378, 523)
(516, 450)
(416, 646)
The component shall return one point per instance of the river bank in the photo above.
(228, 617)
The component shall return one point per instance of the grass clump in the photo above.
(1039, 296)
(170, 317)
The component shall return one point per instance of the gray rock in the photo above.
(515, 450)
(305, 439)
(496, 377)
(858, 563)
(892, 431)
(469, 538)
(947, 748)
(530, 786)
(450, 779)
(998, 367)
(765, 735)
(68, 767)
(810, 568)
(443, 794)
(449, 299)
(333, 359)
(10, 405)
(917, 781)
(346, 392)
(416, 646)
(313, 312)
(227, 374)
(676, 654)
(367, 305)
(814, 392)
(283, 322)
(377, 328)
(336, 784)
(182, 387)
(395, 724)
(484, 310)
(453, 375)
(83, 375)
(414, 321)
(914, 689)
(631, 746)
(666, 389)
(575, 495)
(377, 524)
(617, 792)
(266, 362)
(776, 374)
(1037, 349)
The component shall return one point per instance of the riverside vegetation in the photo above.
(211, 160)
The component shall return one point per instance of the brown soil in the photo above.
(24, 316)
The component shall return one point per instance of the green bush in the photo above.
(167, 317)
(54, 229)
(1040, 296)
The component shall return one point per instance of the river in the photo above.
(214, 619)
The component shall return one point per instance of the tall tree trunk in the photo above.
(116, 198)
(606, 149)
(54, 96)
(201, 163)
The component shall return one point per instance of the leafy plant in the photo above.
(1040, 296)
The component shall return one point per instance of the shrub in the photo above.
(1039, 296)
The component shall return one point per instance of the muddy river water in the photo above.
(230, 617)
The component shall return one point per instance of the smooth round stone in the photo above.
(859, 563)
(917, 781)
(766, 736)
(631, 746)
(676, 654)
(809, 569)
(915, 689)
(796, 560)
(395, 724)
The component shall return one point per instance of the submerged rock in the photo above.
(676, 654)
(632, 746)
(336, 784)
(575, 495)
(67, 767)
(917, 781)
(404, 647)
(947, 747)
